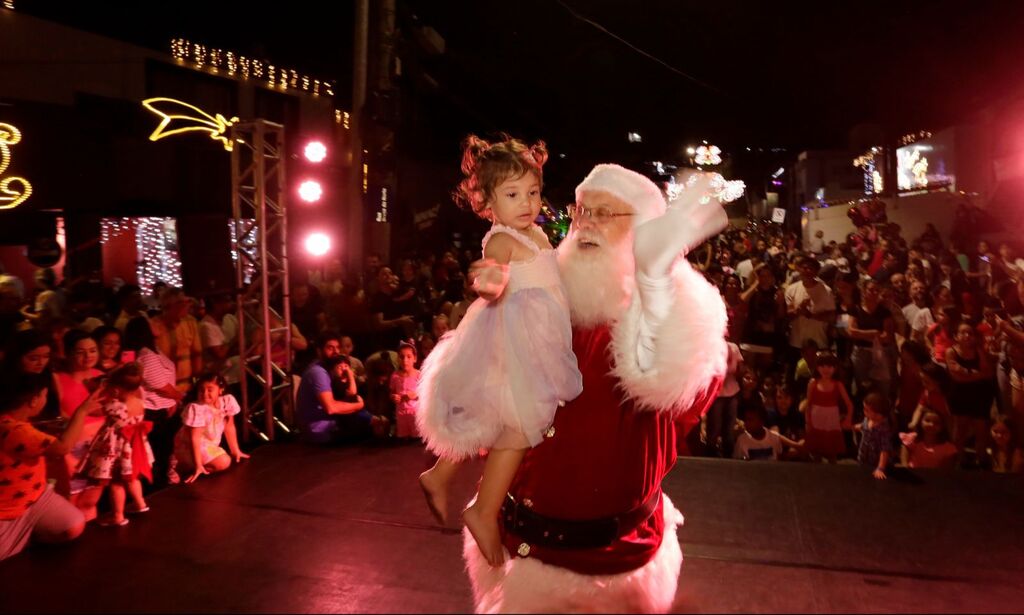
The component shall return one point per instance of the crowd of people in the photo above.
(872, 347)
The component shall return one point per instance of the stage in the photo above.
(298, 529)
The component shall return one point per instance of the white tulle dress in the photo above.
(498, 378)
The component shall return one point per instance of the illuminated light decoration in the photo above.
(917, 165)
(366, 177)
(318, 244)
(873, 183)
(634, 137)
(690, 151)
(310, 191)
(11, 197)
(708, 155)
(156, 245)
(315, 151)
(382, 211)
(246, 245)
(275, 77)
(190, 119)
(914, 137)
(9, 4)
(722, 190)
(554, 222)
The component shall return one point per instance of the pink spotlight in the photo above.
(315, 151)
(310, 191)
(318, 244)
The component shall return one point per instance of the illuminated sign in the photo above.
(178, 117)
(11, 197)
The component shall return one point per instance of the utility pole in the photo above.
(354, 247)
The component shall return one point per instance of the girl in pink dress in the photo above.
(824, 438)
(403, 385)
(496, 381)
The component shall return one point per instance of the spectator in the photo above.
(1005, 457)
(811, 306)
(875, 451)
(459, 309)
(817, 243)
(50, 304)
(347, 348)
(204, 423)
(160, 397)
(786, 418)
(766, 311)
(872, 330)
(757, 443)
(28, 508)
(177, 336)
(73, 387)
(824, 395)
(971, 394)
(721, 416)
(941, 334)
(318, 412)
(403, 386)
(308, 316)
(391, 324)
(129, 298)
(913, 357)
(108, 339)
(220, 353)
(929, 447)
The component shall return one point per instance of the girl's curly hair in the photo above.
(487, 164)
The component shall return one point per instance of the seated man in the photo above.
(320, 417)
(28, 508)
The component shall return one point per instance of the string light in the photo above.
(247, 246)
(9, 4)
(723, 190)
(214, 60)
(873, 183)
(708, 155)
(10, 197)
(190, 118)
(914, 137)
(156, 248)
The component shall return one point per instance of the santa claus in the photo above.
(586, 525)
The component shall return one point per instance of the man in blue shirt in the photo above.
(322, 418)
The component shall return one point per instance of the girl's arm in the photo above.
(916, 418)
(64, 443)
(491, 277)
(231, 435)
(957, 372)
(904, 456)
(196, 438)
(883, 463)
(867, 335)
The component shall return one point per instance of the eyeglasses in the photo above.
(599, 215)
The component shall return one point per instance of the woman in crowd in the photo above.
(73, 387)
(972, 390)
(872, 331)
(109, 341)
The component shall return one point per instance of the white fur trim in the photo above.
(641, 193)
(690, 349)
(525, 585)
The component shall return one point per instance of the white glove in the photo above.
(488, 278)
(685, 224)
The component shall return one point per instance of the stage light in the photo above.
(315, 151)
(318, 244)
(310, 191)
(690, 151)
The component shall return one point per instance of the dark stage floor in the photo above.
(345, 530)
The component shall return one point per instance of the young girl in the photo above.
(824, 428)
(204, 422)
(496, 381)
(935, 382)
(929, 447)
(120, 452)
(875, 450)
(1004, 456)
(403, 386)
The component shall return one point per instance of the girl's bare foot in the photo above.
(436, 495)
(484, 529)
(89, 514)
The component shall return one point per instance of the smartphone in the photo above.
(985, 258)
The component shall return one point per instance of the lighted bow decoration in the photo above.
(723, 190)
(708, 155)
(178, 117)
(11, 198)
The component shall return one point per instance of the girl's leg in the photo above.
(135, 490)
(117, 501)
(434, 483)
(219, 464)
(980, 429)
(482, 517)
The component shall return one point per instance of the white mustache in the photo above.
(581, 237)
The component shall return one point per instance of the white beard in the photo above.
(598, 280)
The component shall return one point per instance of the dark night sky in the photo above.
(793, 74)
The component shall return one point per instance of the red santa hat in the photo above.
(641, 193)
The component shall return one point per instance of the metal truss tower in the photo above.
(261, 276)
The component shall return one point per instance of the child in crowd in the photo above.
(929, 447)
(757, 443)
(940, 335)
(721, 416)
(403, 385)
(204, 423)
(120, 453)
(807, 365)
(1004, 456)
(935, 382)
(876, 442)
(913, 357)
(496, 381)
(824, 394)
(786, 418)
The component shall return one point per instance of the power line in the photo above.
(637, 49)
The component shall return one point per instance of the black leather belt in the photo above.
(536, 529)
